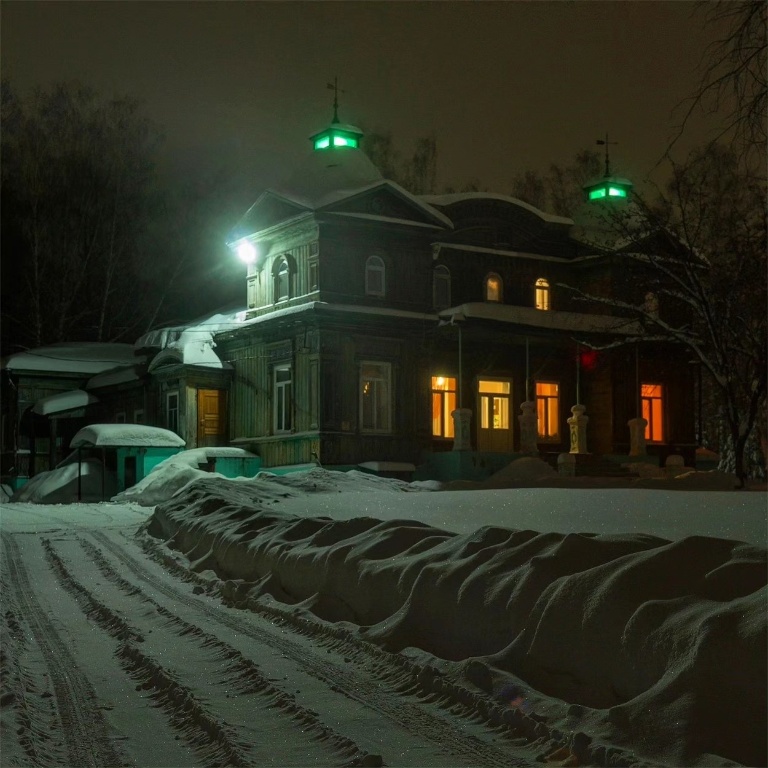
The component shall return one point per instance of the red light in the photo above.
(588, 359)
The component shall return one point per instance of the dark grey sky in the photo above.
(505, 86)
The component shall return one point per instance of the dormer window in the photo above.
(441, 287)
(493, 287)
(541, 297)
(374, 276)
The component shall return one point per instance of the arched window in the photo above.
(375, 276)
(541, 298)
(493, 287)
(441, 287)
(282, 280)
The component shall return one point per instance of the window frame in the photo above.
(277, 281)
(541, 435)
(282, 400)
(491, 276)
(172, 423)
(542, 295)
(377, 427)
(648, 410)
(374, 264)
(446, 431)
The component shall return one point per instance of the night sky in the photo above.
(504, 86)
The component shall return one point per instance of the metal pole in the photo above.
(461, 372)
(578, 375)
(527, 372)
(638, 392)
(79, 473)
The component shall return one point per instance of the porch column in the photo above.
(462, 418)
(578, 427)
(528, 428)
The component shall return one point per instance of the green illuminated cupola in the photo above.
(336, 134)
(609, 187)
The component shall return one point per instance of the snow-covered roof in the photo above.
(459, 197)
(193, 347)
(82, 357)
(115, 376)
(499, 252)
(124, 435)
(160, 338)
(62, 402)
(551, 319)
(325, 178)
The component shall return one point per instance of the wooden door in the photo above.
(211, 417)
(494, 415)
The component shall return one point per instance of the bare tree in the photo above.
(702, 250)
(560, 189)
(733, 81)
(77, 174)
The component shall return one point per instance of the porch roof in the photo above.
(63, 404)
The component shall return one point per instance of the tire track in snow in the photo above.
(212, 738)
(411, 717)
(82, 725)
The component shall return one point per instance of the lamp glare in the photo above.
(246, 251)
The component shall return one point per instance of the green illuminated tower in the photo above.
(608, 188)
(336, 134)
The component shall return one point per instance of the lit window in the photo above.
(375, 397)
(172, 411)
(493, 287)
(548, 409)
(443, 404)
(282, 275)
(653, 409)
(542, 293)
(374, 276)
(282, 398)
(441, 287)
(494, 404)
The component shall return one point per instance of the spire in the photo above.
(600, 142)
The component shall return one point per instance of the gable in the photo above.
(382, 202)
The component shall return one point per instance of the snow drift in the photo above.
(653, 645)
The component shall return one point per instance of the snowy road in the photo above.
(111, 657)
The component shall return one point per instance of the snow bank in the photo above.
(60, 485)
(165, 479)
(657, 646)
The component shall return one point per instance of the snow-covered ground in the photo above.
(635, 619)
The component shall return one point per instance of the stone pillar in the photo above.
(462, 418)
(578, 426)
(529, 433)
(637, 436)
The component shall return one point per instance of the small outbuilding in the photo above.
(130, 450)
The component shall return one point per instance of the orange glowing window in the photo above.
(548, 409)
(542, 294)
(493, 287)
(443, 404)
(652, 396)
